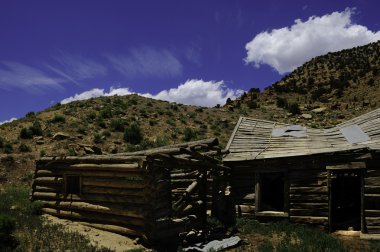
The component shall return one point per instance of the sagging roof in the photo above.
(261, 139)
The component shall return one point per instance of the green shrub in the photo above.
(132, 134)
(189, 134)
(30, 114)
(106, 112)
(117, 125)
(36, 128)
(8, 148)
(26, 133)
(100, 122)
(58, 119)
(7, 240)
(97, 138)
(91, 116)
(24, 148)
(294, 108)
(42, 153)
(281, 102)
(152, 122)
(2, 142)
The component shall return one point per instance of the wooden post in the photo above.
(330, 199)
(362, 217)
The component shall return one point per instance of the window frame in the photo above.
(258, 182)
(66, 180)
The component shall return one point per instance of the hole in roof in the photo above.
(289, 131)
(354, 134)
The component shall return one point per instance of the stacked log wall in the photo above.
(308, 194)
(242, 181)
(113, 195)
(372, 197)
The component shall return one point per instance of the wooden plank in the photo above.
(372, 189)
(113, 183)
(311, 190)
(347, 166)
(127, 211)
(136, 224)
(310, 212)
(48, 181)
(111, 191)
(310, 220)
(373, 229)
(245, 208)
(372, 213)
(305, 205)
(113, 228)
(373, 221)
(89, 198)
(308, 198)
(372, 181)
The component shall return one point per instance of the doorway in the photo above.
(345, 201)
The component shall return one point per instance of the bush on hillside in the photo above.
(133, 134)
(24, 148)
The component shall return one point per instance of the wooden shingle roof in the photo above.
(255, 139)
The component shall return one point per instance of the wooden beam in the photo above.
(347, 166)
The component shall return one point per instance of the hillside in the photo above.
(323, 92)
(107, 125)
(327, 89)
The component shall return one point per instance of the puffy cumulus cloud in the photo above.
(146, 62)
(192, 92)
(8, 121)
(287, 48)
(96, 92)
(198, 92)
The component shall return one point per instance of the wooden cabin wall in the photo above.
(308, 190)
(242, 181)
(308, 193)
(372, 196)
(118, 197)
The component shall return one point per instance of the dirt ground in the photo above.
(98, 237)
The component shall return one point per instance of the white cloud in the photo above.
(8, 121)
(192, 92)
(287, 48)
(146, 62)
(16, 75)
(198, 92)
(76, 67)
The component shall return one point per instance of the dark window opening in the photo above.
(345, 200)
(272, 192)
(73, 184)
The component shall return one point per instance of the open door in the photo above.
(345, 200)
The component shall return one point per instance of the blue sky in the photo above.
(194, 52)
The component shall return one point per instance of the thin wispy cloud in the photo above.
(192, 92)
(146, 62)
(75, 68)
(15, 75)
(193, 54)
(287, 48)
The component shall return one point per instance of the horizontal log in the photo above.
(47, 173)
(373, 229)
(310, 220)
(373, 221)
(113, 183)
(88, 198)
(113, 229)
(134, 212)
(372, 181)
(245, 209)
(373, 173)
(112, 191)
(308, 197)
(372, 213)
(346, 166)
(301, 205)
(372, 189)
(90, 159)
(137, 224)
(315, 190)
(48, 180)
(309, 212)
(54, 189)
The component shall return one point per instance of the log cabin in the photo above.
(156, 194)
(324, 177)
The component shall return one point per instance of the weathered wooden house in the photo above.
(326, 177)
(155, 194)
